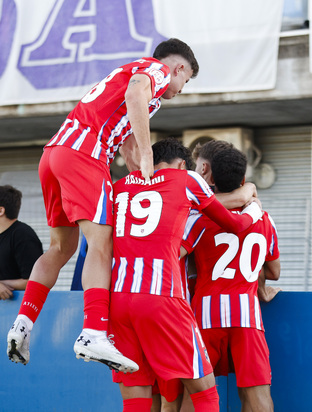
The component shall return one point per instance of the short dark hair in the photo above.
(176, 46)
(228, 168)
(170, 149)
(11, 200)
(207, 150)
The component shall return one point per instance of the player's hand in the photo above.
(5, 292)
(268, 293)
(147, 167)
(254, 199)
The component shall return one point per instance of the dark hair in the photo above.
(170, 149)
(228, 168)
(11, 200)
(207, 150)
(176, 46)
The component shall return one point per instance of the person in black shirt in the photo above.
(20, 247)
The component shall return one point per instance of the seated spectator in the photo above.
(20, 247)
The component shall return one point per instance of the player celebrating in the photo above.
(77, 190)
(147, 301)
(225, 302)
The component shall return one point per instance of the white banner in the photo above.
(55, 50)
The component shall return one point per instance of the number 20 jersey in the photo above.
(228, 267)
(149, 221)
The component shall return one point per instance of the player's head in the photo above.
(169, 150)
(228, 168)
(182, 63)
(203, 154)
(177, 47)
(10, 200)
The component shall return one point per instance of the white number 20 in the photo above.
(221, 270)
(152, 213)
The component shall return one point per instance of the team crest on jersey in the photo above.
(157, 74)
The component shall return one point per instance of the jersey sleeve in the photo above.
(197, 191)
(194, 229)
(273, 252)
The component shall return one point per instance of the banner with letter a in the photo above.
(56, 50)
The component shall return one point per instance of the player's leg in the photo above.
(173, 406)
(156, 404)
(203, 393)
(63, 243)
(187, 404)
(93, 342)
(171, 394)
(250, 355)
(136, 398)
(256, 399)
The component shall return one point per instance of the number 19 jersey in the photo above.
(149, 221)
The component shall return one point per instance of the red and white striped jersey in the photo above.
(149, 221)
(99, 123)
(228, 266)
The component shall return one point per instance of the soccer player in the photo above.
(150, 318)
(77, 190)
(225, 302)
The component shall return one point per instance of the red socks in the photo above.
(96, 306)
(207, 400)
(137, 404)
(33, 300)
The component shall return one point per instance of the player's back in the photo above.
(149, 222)
(228, 267)
(230, 262)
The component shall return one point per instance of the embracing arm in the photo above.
(238, 197)
(137, 96)
(233, 223)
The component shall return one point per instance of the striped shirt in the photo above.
(228, 267)
(149, 220)
(99, 124)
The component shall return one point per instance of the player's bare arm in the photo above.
(137, 96)
(267, 293)
(242, 196)
(131, 154)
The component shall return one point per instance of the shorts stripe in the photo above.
(100, 215)
(197, 360)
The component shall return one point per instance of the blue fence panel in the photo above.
(54, 380)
